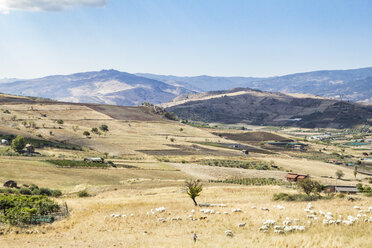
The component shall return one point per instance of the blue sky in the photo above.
(184, 37)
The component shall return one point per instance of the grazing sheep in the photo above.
(265, 209)
(192, 211)
(161, 209)
(269, 223)
(225, 213)
(237, 210)
(277, 228)
(203, 218)
(287, 222)
(176, 218)
(242, 224)
(229, 233)
(162, 220)
(253, 207)
(263, 228)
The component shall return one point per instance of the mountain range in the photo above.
(121, 88)
(106, 86)
(354, 84)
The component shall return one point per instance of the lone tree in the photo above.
(18, 143)
(193, 189)
(86, 133)
(94, 130)
(339, 174)
(355, 171)
(309, 186)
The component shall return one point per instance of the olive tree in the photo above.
(18, 143)
(309, 186)
(339, 174)
(193, 189)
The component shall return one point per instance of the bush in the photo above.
(104, 128)
(56, 193)
(45, 191)
(25, 191)
(295, 197)
(59, 121)
(83, 193)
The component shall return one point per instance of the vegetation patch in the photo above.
(252, 181)
(298, 197)
(244, 164)
(21, 209)
(77, 163)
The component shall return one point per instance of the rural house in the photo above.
(341, 189)
(30, 148)
(293, 177)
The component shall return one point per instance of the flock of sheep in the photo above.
(288, 225)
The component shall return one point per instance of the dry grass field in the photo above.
(154, 157)
(90, 224)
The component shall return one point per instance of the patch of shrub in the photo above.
(25, 191)
(76, 163)
(17, 209)
(45, 191)
(296, 197)
(83, 193)
(252, 181)
(56, 193)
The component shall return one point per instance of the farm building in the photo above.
(95, 160)
(341, 189)
(30, 148)
(293, 177)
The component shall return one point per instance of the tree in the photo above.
(104, 128)
(86, 133)
(193, 189)
(355, 171)
(309, 186)
(339, 174)
(59, 121)
(18, 143)
(106, 154)
(94, 130)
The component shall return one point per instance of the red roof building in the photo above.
(293, 177)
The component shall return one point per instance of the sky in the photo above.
(183, 37)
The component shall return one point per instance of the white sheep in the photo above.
(237, 210)
(229, 233)
(265, 209)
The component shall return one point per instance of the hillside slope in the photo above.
(133, 131)
(105, 87)
(353, 85)
(266, 108)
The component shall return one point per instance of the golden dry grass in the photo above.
(87, 226)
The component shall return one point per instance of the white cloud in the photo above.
(47, 5)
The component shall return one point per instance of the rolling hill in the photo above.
(106, 86)
(266, 108)
(354, 85)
